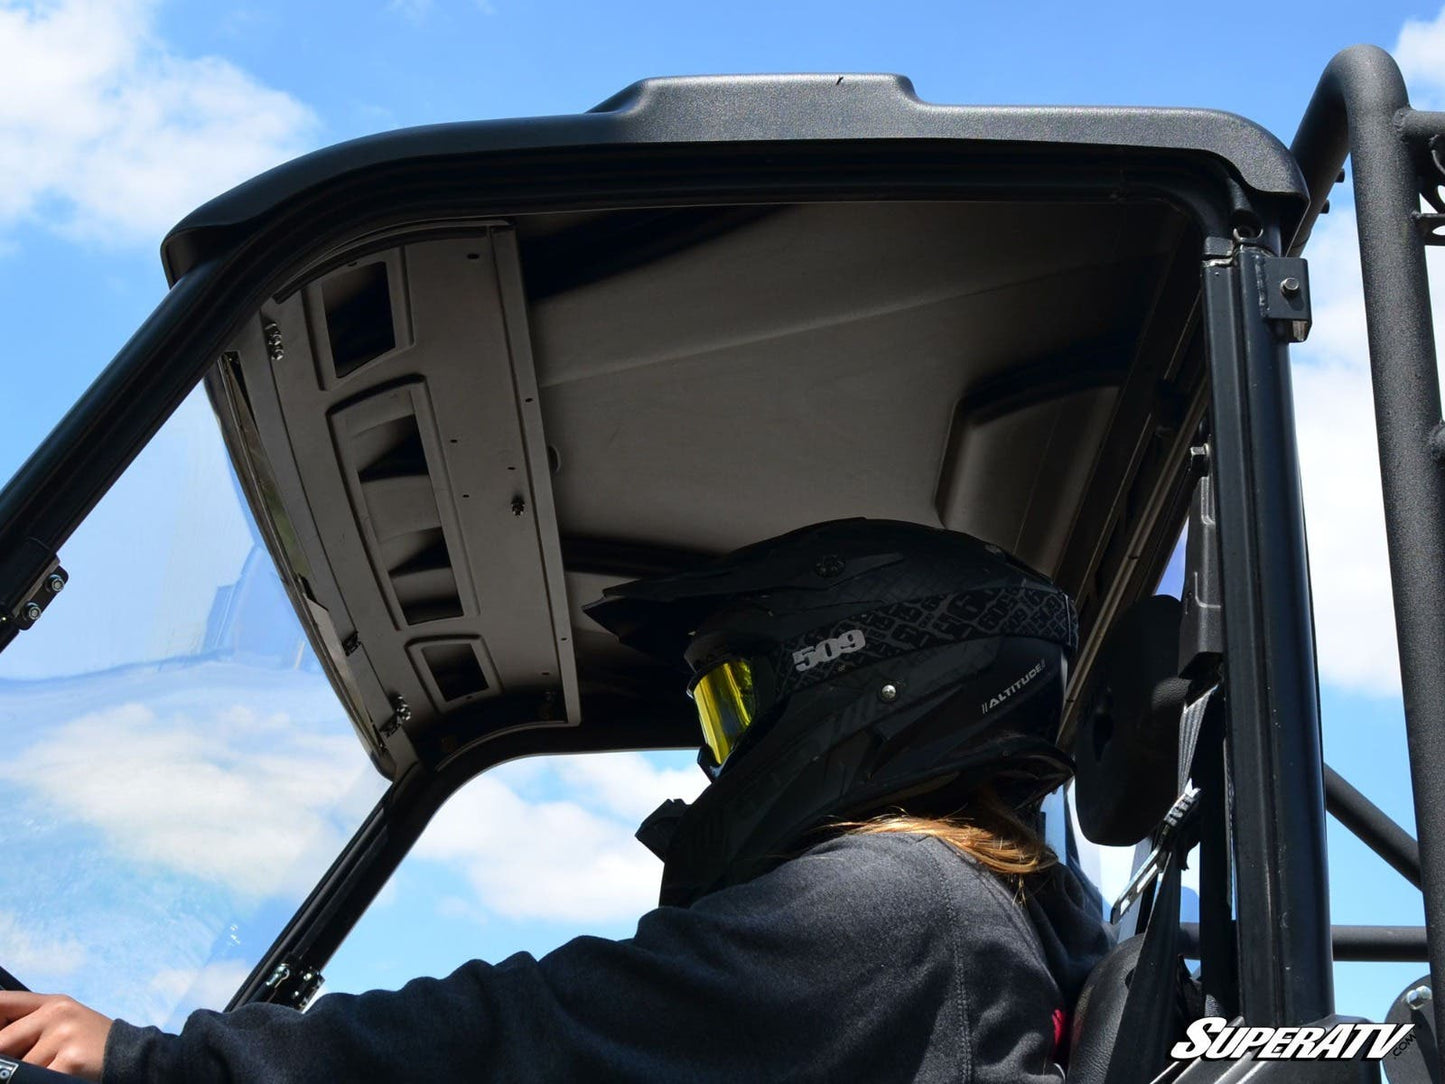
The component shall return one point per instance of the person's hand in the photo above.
(53, 1031)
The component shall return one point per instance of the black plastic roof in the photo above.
(762, 109)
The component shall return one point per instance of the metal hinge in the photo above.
(401, 715)
(1286, 288)
(275, 347)
(33, 601)
(292, 984)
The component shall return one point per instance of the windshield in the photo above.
(178, 771)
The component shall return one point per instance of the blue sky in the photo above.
(120, 115)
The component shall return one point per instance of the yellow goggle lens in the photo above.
(725, 705)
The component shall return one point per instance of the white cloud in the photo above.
(570, 860)
(164, 814)
(627, 785)
(211, 986)
(414, 10)
(1420, 52)
(233, 797)
(1339, 463)
(26, 954)
(107, 135)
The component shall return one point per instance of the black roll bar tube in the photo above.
(1368, 944)
(1361, 106)
(1371, 826)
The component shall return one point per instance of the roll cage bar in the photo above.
(1264, 935)
(1361, 109)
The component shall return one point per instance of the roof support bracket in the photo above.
(42, 588)
(1285, 292)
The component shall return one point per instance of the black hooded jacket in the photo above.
(868, 957)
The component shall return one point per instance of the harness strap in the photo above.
(1141, 1044)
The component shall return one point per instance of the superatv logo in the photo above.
(1215, 1040)
(994, 701)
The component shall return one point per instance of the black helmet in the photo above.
(844, 668)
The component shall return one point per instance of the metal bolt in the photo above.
(275, 349)
(518, 506)
(1420, 995)
(888, 693)
(1289, 287)
(56, 583)
(32, 611)
(401, 708)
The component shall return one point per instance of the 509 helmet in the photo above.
(846, 668)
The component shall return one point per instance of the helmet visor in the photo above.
(726, 704)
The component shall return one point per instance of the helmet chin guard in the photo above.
(884, 663)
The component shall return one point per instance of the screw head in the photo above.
(1420, 995)
(1289, 287)
(56, 583)
(888, 693)
(32, 611)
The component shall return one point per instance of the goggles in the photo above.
(726, 698)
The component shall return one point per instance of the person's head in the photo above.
(848, 669)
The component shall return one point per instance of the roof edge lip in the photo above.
(758, 108)
(637, 93)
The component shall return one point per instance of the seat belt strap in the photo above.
(1141, 1044)
(1191, 722)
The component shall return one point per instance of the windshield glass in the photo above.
(178, 771)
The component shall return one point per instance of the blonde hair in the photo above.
(988, 830)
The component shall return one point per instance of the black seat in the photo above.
(1097, 1014)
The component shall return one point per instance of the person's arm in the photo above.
(828, 967)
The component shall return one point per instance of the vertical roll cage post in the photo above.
(1274, 759)
(1360, 108)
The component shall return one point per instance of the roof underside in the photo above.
(463, 433)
